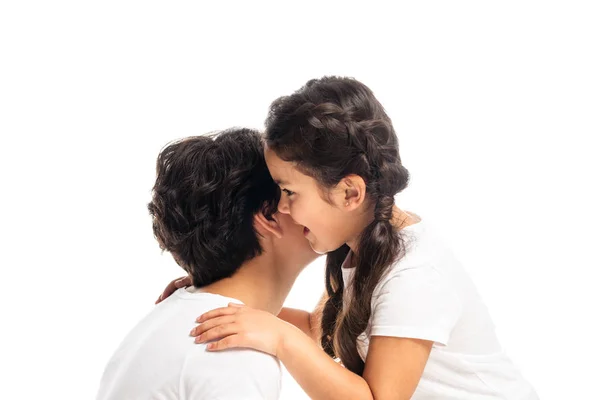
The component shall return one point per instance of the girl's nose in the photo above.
(283, 206)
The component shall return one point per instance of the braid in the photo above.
(335, 291)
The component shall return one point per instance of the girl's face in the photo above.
(292, 246)
(327, 225)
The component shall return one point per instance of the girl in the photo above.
(400, 319)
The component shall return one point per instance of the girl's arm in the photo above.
(317, 373)
(307, 322)
(392, 370)
(394, 366)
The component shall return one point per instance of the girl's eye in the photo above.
(287, 192)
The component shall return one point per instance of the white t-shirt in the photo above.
(159, 359)
(428, 295)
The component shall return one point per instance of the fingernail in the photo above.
(193, 332)
(210, 346)
(199, 319)
(198, 340)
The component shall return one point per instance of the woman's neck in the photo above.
(260, 283)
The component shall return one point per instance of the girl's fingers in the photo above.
(217, 312)
(172, 287)
(230, 342)
(212, 323)
(218, 332)
(183, 282)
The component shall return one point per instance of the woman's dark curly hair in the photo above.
(207, 191)
(330, 128)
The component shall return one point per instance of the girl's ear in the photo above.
(355, 191)
(266, 226)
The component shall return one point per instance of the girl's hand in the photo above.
(173, 286)
(242, 326)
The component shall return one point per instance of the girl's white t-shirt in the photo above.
(428, 295)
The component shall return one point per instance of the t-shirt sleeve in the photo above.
(417, 303)
(237, 374)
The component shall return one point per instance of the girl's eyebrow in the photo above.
(281, 183)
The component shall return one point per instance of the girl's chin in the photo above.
(316, 248)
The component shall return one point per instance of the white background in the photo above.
(496, 105)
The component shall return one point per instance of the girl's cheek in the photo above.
(294, 212)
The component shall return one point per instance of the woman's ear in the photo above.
(264, 225)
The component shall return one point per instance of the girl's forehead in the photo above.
(281, 171)
(284, 173)
(272, 157)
